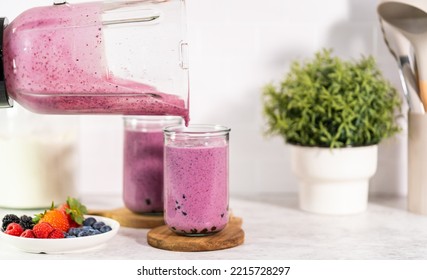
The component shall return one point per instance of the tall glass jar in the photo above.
(38, 158)
(101, 57)
(196, 179)
(143, 162)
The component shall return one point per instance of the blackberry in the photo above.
(9, 218)
(26, 222)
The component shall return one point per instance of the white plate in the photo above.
(62, 245)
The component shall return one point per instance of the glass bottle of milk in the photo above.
(38, 158)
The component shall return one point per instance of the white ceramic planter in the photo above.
(334, 181)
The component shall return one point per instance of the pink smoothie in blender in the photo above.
(55, 62)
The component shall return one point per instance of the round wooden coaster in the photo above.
(235, 220)
(163, 238)
(127, 218)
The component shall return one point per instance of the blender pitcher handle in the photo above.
(183, 55)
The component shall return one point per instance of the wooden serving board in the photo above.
(231, 236)
(127, 218)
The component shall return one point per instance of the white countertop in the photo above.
(275, 229)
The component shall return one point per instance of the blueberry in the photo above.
(98, 225)
(89, 221)
(74, 231)
(70, 236)
(90, 232)
(84, 233)
(105, 228)
(94, 232)
(86, 227)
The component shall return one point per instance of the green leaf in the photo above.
(76, 210)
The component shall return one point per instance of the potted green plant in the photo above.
(333, 113)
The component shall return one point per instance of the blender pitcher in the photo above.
(105, 57)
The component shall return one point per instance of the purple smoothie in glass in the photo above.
(143, 171)
(196, 186)
(54, 62)
(143, 162)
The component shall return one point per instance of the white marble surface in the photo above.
(276, 229)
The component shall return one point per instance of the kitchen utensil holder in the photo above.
(417, 163)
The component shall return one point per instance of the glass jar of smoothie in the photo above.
(143, 162)
(105, 57)
(196, 179)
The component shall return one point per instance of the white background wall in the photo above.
(236, 47)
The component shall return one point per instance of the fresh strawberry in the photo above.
(28, 233)
(64, 207)
(75, 211)
(42, 230)
(56, 233)
(14, 229)
(56, 218)
(72, 223)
